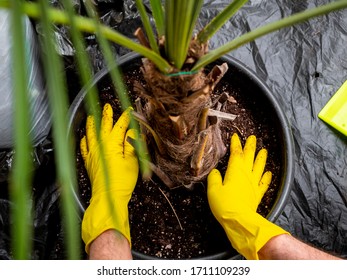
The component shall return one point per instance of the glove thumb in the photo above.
(129, 149)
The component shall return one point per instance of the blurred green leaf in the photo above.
(65, 159)
(21, 177)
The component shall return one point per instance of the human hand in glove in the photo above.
(113, 185)
(234, 200)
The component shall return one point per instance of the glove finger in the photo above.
(249, 152)
(106, 121)
(84, 148)
(236, 156)
(91, 132)
(214, 185)
(129, 149)
(214, 181)
(119, 130)
(264, 184)
(259, 165)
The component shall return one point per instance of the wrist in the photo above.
(102, 215)
(110, 244)
(286, 247)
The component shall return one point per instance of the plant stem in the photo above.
(21, 177)
(271, 27)
(158, 15)
(181, 16)
(147, 26)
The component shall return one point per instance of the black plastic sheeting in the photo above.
(303, 65)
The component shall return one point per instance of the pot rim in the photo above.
(286, 133)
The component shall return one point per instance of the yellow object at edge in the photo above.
(334, 112)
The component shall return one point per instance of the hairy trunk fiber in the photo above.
(176, 107)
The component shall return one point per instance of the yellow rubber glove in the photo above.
(235, 200)
(108, 208)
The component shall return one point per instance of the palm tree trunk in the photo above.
(176, 107)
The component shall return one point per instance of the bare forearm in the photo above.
(286, 247)
(110, 245)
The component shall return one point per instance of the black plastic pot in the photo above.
(257, 89)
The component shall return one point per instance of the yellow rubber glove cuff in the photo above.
(248, 233)
(234, 201)
(113, 176)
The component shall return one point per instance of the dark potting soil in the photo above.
(177, 223)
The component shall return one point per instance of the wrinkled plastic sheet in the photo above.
(303, 65)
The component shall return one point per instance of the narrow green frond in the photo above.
(180, 21)
(66, 177)
(196, 12)
(209, 30)
(169, 28)
(158, 15)
(21, 178)
(147, 25)
(83, 63)
(271, 27)
(85, 73)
